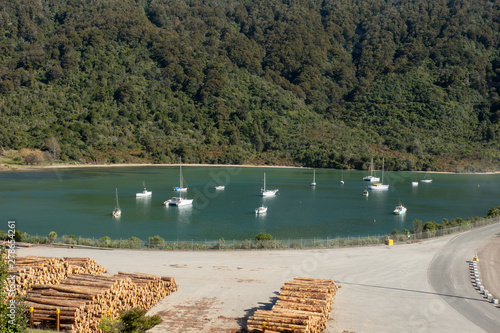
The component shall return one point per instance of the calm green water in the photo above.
(80, 202)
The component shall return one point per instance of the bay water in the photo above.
(79, 201)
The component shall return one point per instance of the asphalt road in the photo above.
(449, 275)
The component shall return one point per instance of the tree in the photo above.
(53, 147)
(494, 211)
(417, 226)
(52, 237)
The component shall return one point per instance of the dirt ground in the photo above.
(384, 288)
(489, 265)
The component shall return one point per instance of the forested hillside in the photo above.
(327, 83)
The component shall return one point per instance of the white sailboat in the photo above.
(371, 177)
(181, 187)
(267, 193)
(342, 179)
(117, 212)
(145, 193)
(379, 186)
(426, 180)
(415, 182)
(314, 178)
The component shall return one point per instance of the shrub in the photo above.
(263, 237)
(156, 242)
(136, 321)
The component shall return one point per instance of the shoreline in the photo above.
(8, 167)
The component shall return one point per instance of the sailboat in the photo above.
(379, 186)
(117, 212)
(342, 180)
(314, 179)
(180, 188)
(371, 177)
(366, 193)
(426, 180)
(267, 193)
(415, 182)
(145, 193)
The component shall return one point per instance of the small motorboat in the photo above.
(260, 210)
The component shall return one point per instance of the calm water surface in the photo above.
(80, 201)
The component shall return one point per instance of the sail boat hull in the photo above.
(378, 187)
(177, 201)
(180, 189)
(371, 179)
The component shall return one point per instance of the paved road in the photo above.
(452, 262)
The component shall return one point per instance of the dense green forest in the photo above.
(327, 83)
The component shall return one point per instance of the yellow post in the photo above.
(31, 316)
(58, 311)
(263, 326)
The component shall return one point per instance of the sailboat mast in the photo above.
(264, 181)
(117, 204)
(383, 159)
(180, 172)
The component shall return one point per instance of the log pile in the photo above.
(303, 306)
(83, 299)
(46, 270)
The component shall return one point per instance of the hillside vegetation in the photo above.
(308, 82)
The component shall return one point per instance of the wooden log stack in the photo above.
(303, 306)
(47, 270)
(83, 299)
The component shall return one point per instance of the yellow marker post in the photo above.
(32, 309)
(58, 311)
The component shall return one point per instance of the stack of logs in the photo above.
(303, 306)
(83, 295)
(45, 270)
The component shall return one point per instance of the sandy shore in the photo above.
(7, 167)
(384, 288)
